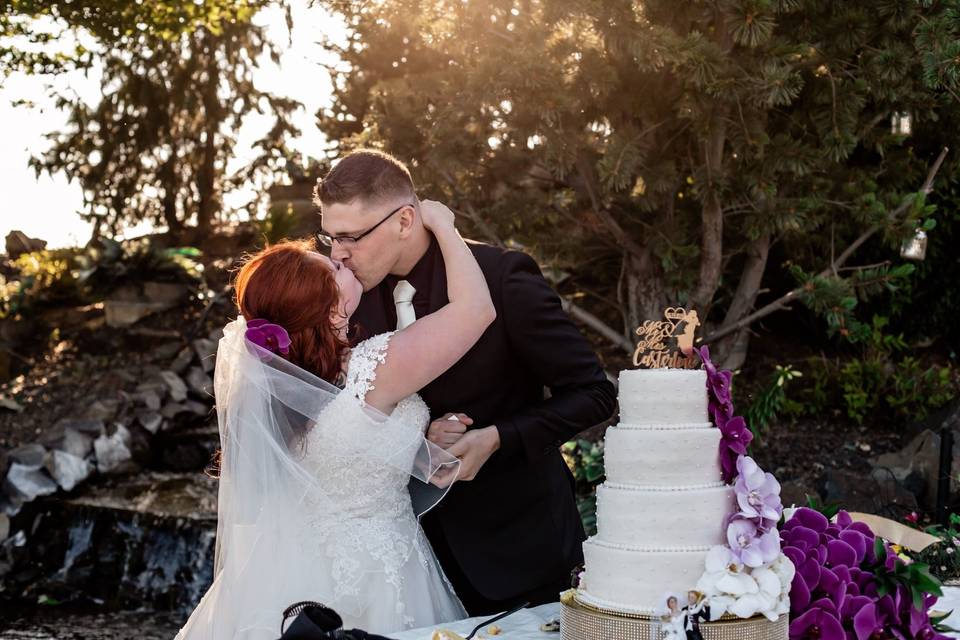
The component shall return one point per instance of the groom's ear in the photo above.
(408, 218)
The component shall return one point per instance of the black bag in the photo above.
(315, 621)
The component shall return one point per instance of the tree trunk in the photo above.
(711, 240)
(209, 201)
(731, 351)
(646, 296)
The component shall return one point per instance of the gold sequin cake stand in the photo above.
(579, 621)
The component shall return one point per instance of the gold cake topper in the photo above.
(654, 349)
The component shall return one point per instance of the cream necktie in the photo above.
(403, 298)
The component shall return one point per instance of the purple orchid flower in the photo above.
(269, 336)
(832, 560)
(751, 546)
(734, 440)
(821, 621)
(758, 493)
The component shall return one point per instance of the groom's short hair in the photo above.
(367, 174)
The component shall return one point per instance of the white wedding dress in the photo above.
(336, 523)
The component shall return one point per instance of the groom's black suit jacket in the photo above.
(515, 527)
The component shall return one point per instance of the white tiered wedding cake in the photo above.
(663, 504)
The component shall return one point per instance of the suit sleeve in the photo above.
(555, 352)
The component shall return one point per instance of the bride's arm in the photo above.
(434, 343)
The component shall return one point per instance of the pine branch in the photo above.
(597, 325)
(575, 311)
(621, 237)
(784, 301)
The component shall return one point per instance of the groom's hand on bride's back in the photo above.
(447, 430)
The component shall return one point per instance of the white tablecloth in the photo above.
(525, 624)
(950, 601)
(522, 625)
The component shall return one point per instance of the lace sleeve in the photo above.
(362, 367)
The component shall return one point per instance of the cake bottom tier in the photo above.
(634, 579)
(582, 622)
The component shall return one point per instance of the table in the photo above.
(525, 624)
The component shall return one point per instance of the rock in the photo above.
(190, 449)
(879, 493)
(10, 403)
(30, 481)
(207, 352)
(103, 410)
(4, 527)
(91, 428)
(10, 501)
(200, 383)
(19, 243)
(150, 420)
(113, 452)
(66, 469)
(71, 440)
(166, 351)
(216, 334)
(176, 386)
(917, 466)
(150, 399)
(155, 384)
(182, 361)
(794, 492)
(197, 408)
(30, 455)
(130, 304)
(173, 409)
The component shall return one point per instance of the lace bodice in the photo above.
(374, 516)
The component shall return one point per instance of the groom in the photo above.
(509, 530)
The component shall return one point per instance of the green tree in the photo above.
(27, 27)
(177, 84)
(659, 150)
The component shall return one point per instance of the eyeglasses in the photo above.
(327, 240)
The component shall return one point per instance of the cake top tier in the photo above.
(663, 396)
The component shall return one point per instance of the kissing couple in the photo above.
(391, 402)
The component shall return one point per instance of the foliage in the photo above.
(177, 84)
(75, 277)
(914, 577)
(829, 510)
(25, 32)
(772, 400)
(585, 460)
(669, 146)
(944, 557)
(278, 224)
(880, 380)
(587, 506)
(114, 264)
(45, 277)
(934, 298)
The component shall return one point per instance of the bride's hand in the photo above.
(436, 215)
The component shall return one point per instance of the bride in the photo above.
(324, 467)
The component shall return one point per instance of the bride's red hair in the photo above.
(287, 285)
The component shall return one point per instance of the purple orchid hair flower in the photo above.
(268, 336)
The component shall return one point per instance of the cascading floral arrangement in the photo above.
(749, 575)
(836, 578)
